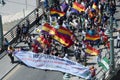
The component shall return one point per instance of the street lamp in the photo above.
(1, 26)
(112, 63)
(1, 33)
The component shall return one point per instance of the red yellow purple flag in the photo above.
(94, 6)
(78, 7)
(66, 41)
(91, 50)
(92, 38)
(63, 40)
(61, 30)
(65, 31)
(60, 13)
(43, 41)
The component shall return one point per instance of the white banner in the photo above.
(50, 62)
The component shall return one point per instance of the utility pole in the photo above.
(112, 63)
(1, 33)
(2, 2)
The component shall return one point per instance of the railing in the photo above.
(11, 34)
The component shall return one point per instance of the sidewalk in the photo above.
(5, 64)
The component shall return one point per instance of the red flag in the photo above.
(43, 41)
(92, 51)
(94, 6)
(78, 7)
(93, 38)
(60, 13)
(66, 41)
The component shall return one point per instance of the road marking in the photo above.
(12, 72)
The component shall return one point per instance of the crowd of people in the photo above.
(92, 21)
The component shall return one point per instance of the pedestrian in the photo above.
(77, 52)
(10, 51)
(64, 49)
(112, 9)
(118, 39)
(18, 33)
(93, 72)
(28, 40)
(5, 43)
(38, 18)
(24, 31)
(46, 4)
(27, 24)
(35, 48)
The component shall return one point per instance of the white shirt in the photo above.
(83, 33)
(118, 36)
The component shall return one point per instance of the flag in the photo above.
(62, 30)
(94, 6)
(43, 41)
(65, 31)
(54, 12)
(92, 38)
(104, 63)
(74, 11)
(78, 7)
(62, 38)
(64, 6)
(92, 51)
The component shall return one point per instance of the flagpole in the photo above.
(112, 63)
(1, 33)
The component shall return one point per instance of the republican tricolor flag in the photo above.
(78, 7)
(54, 12)
(43, 41)
(92, 51)
(92, 38)
(94, 6)
(58, 35)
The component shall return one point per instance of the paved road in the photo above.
(22, 72)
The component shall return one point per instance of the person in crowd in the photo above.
(118, 39)
(46, 4)
(28, 24)
(35, 48)
(5, 43)
(28, 40)
(37, 17)
(112, 8)
(64, 49)
(10, 51)
(33, 38)
(18, 33)
(24, 31)
(93, 72)
(77, 52)
(83, 35)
